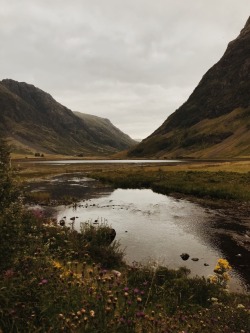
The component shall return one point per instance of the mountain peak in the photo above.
(246, 30)
(247, 23)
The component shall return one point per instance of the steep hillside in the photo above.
(106, 130)
(33, 121)
(215, 121)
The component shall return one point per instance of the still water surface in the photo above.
(63, 162)
(153, 227)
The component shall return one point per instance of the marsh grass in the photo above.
(38, 197)
(202, 184)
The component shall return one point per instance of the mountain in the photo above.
(106, 130)
(33, 120)
(215, 120)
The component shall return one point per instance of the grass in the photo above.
(55, 279)
(58, 280)
(201, 184)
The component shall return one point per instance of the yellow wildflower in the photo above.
(223, 263)
(56, 264)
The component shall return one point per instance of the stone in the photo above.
(184, 256)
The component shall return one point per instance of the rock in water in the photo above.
(184, 256)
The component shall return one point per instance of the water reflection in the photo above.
(154, 227)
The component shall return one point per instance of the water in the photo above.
(155, 228)
(66, 162)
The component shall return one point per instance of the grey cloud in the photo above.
(133, 62)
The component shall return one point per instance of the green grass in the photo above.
(201, 184)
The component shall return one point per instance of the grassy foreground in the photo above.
(54, 279)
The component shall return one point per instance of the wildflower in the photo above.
(44, 281)
(56, 264)
(213, 279)
(214, 299)
(136, 290)
(140, 314)
(139, 299)
(9, 273)
(240, 306)
(223, 263)
(92, 313)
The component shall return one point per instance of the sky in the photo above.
(131, 61)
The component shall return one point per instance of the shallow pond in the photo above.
(149, 226)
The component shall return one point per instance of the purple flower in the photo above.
(136, 290)
(9, 273)
(44, 281)
(126, 289)
(140, 314)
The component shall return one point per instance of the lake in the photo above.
(66, 162)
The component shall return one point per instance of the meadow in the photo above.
(54, 279)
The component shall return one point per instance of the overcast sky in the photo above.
(132, 61)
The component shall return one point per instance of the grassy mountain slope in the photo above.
(33, 121)
(107, 130)
(215, 121)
